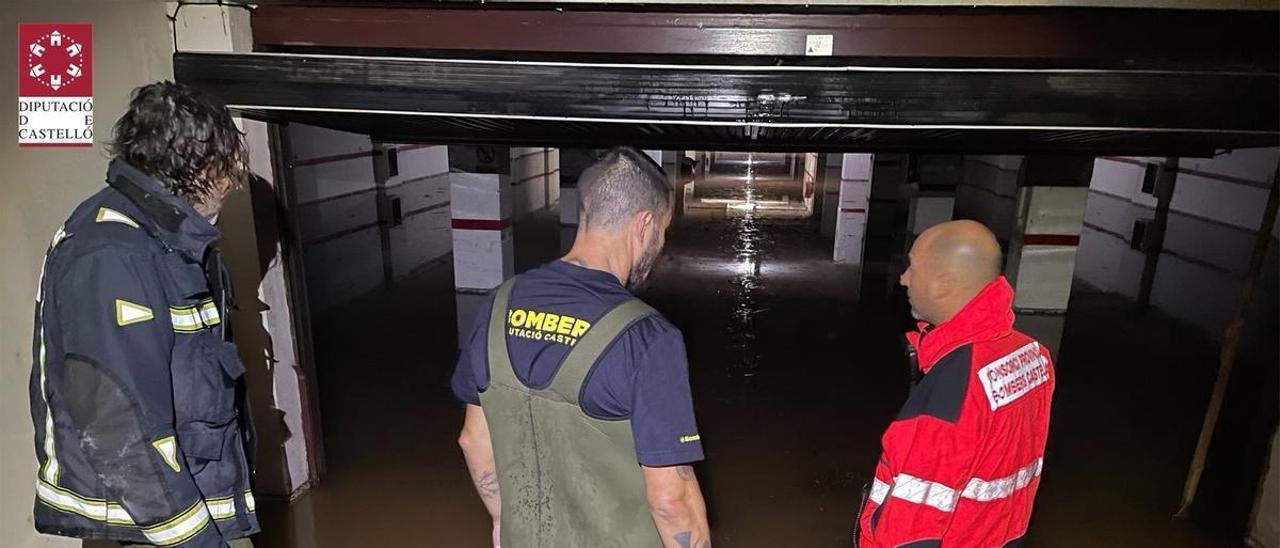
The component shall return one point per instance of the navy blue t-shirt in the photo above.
(643, 376)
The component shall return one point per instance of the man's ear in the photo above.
(641, 222)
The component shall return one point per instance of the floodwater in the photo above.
(797, 365)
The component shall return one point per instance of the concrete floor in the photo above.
(795, 374)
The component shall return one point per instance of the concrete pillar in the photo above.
(934, 191)
(809, 180)
(686, 196)
(851, 223)
(830, 194)
(273, 338)
(890, 196)
(1050, 215)
(528, 180)
(382, 172)
(1042, 254)
(928, 209)
(988, 193)
(552, 162)
(481, 204)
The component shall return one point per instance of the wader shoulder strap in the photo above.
(568, 381)
(499, 362)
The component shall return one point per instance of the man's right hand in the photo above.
(675, 500)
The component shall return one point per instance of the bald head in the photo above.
(964, 249)
(950, 263)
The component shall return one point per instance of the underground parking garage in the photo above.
(410, 159)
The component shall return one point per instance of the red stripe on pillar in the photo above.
(1072, 240)
(480, 224)
(853, 210)
(336, 158)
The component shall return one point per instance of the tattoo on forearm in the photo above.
(685, 472)
(682, 539)
(685, 539)
(487, 484)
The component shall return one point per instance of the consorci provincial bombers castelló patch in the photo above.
(1011, 377)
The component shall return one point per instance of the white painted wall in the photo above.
(337, 213)
(133, 46)
(1106, 260)
(1207, 244)
(319, 181)
(423, 189)
(1198, 192)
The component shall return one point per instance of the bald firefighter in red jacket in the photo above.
(961, 462)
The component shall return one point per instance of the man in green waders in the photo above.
(579, 425)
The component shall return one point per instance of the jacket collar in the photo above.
(166, 217)
(988, 316)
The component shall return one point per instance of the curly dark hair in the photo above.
(183, 137)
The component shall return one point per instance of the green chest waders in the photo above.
(567, 480)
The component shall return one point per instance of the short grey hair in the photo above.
(620, 184)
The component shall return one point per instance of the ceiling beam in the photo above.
(1073, 38)
(763, 106)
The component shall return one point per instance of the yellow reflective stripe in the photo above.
(108, 215)
(114, 514)
(128, 313)
(180, 528)
(209, 313)
(249, 502)
(68, 501)
(190, 319)
(50, 470)
(223, 508)
(168, 449)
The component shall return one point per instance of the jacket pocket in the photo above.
(229, 359)
(205, 373)
(204, 441)
(183, 280)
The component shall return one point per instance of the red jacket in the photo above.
(961, 462)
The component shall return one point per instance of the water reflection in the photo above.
(746, 247)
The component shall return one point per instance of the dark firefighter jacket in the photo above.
(141, 428)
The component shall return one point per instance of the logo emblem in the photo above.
(55, 84)
(55, 60)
